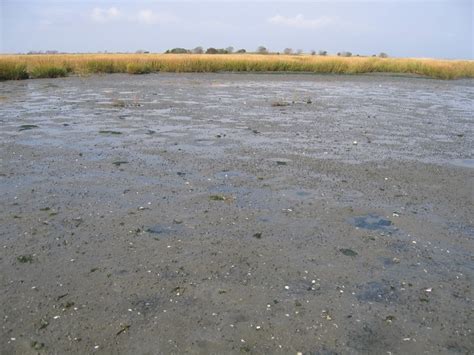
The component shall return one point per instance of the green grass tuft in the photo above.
(138, 68)
(48, 71)
(100, 66)
(12, 71)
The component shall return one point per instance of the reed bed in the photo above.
(16, 67)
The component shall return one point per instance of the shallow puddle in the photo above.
(372, 222)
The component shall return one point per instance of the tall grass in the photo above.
(14, 67)
(47, 71)
(11, 70)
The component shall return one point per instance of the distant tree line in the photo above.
(262, 50)
(229, 50)
(210, 50)
(45, 52)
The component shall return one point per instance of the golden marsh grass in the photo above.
(15, 67)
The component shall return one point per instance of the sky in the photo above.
(402, 28)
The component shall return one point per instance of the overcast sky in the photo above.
(422, 28)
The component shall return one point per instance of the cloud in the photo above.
(149, 17)
(105, 15)
(299, 21)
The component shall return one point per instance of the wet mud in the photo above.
(189, 213)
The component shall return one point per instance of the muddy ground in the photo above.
(236, 213)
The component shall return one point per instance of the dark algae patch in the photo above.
(348, 252)
(27, 127)
(120, 162)
(110, 132)
(37, 345)
(28, 258)
(218, 198)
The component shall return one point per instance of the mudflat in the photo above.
(230, 213)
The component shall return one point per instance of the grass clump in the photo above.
(48, 71)
(138, 68)
(100, 67)
(12, 71)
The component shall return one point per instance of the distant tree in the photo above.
(241, 51)
(338, 54)
(222, 51)
(383, 55)
(262, 50)
(212, 50)
(230, 49)
(288, 51)
(346, 54)
(141, 51)
(178, 51)
(313, 52)
(198, 50)
(322, 53)
(299, 51)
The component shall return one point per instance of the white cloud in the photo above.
(299, 21)
(149, 17)
(144, 16)
(105, 15)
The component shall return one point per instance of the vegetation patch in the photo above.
(110, 132)
(11, 70)
(26, 127)
(138, 68)
(217, 198)
(15, 67)
(25, 259)
(121, 162)
(48, 71)
(348, 252)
